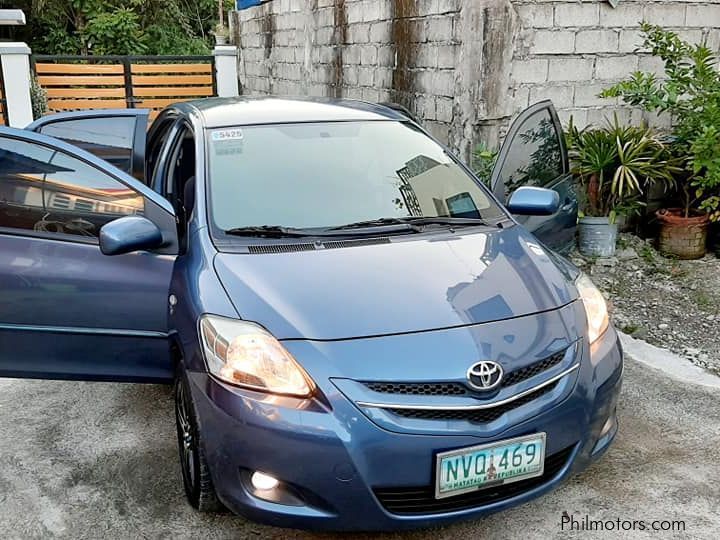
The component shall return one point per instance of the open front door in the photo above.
(68, 311)
(117, 136)
(534, 154)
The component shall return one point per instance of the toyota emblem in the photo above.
(485, 375)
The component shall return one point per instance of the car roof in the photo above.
(221, 112)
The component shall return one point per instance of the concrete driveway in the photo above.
(91, 460)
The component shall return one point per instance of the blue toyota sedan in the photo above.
(361, 334)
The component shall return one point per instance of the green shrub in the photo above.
(690, 94)
(115, 32)
(38, 98)
(483, 162)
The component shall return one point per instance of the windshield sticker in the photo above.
(227, 141)
(227, 135)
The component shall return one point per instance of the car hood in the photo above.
(411, 284)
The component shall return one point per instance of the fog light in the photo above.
(607, 434)
(609, 425)
(263, 482)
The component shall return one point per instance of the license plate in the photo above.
(488, 465)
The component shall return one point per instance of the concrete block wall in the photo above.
(464, 67)
(570, 51)
(376, 50)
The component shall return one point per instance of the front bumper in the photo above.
(338, 464)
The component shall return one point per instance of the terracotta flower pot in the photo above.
(680, 236)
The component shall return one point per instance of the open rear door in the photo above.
(534, 154)
(117, 136)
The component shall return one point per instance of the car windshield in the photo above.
(322, 175)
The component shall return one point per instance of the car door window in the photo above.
(179, 184)
(109, 138)
(50, 192)
(534, 155)
(160, 132)
(181, 166)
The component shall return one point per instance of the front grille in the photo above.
(419, 389)
(459, 389)
(476, 416)
(421, 500)
(522, 374)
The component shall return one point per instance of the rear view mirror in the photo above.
(130, 233)
(534, 201)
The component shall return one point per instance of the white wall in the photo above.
(16, 76)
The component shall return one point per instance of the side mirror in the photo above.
(129, 233)
(534, 201)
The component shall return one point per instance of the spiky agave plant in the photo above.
(617, 163)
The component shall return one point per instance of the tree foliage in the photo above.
(121, 26)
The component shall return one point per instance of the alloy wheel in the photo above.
(187, 436)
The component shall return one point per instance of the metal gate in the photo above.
(116, 82)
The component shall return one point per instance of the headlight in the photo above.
(595, 307)
(245, 354)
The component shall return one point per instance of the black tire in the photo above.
(198, 484)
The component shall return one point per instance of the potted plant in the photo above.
(690, 93)
(221, 33)
(614, 165)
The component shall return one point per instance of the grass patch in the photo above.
(630, 328)
(703, 299)
(647, 254)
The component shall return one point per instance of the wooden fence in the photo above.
(117, 82)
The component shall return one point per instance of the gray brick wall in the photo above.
(464, 67)
(589, 45)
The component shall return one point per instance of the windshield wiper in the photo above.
(387, 225)
(381, 222)
(416, 222)
(431, 220)
(278, 231)
(270, 231)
